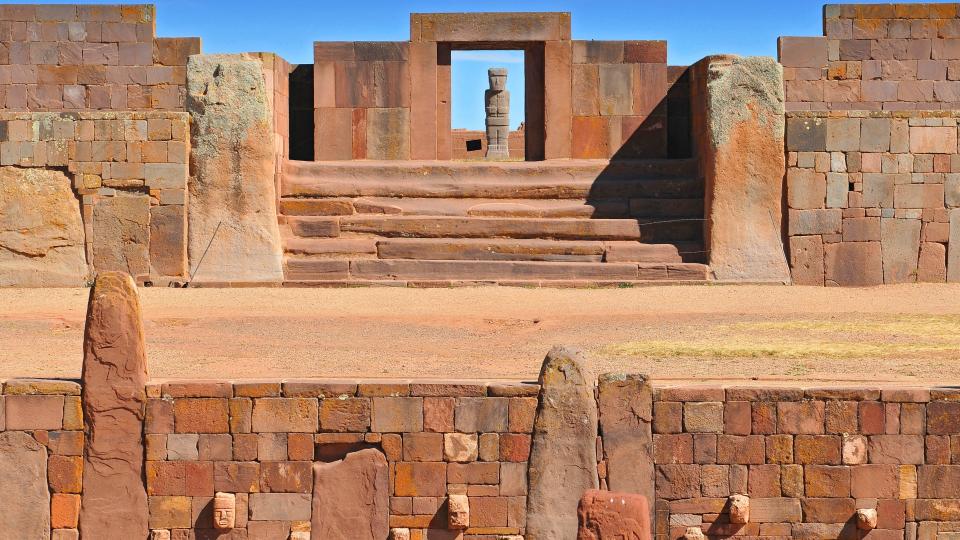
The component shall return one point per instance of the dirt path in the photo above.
(902, 333)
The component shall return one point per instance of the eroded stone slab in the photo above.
(23, 475)
(121, 234)
(114, 503)
(351, 498)
(41, 231)
(611, 514)
(563, 457)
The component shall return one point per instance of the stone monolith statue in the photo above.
(497, 100)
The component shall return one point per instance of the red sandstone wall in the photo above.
(77, 57)
(876, 56)
(461, 136)
(873, 198)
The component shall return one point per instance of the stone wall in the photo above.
(129, 177)
(876, 56)
(83, 57)
(462, 152)
(41, 463)
(259, 440)
(808, 460)
(873, 197)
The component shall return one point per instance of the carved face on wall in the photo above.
(224, 511)
(498, 78)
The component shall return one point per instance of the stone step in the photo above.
(311, 269)
(336, 247)
(483, 249)
(483, 227)
(528, 208)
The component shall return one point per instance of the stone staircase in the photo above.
(563, 223)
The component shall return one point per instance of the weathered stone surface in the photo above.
(626, 413)
(114, 503)
(901, 249)
(853, 264)
(351, 498)
(458, 512)
(121, 234)
(232, 185)
(606, 514)
(953, 252)
(23, 475)
(41, 232)
(563, 458)
(744, 168)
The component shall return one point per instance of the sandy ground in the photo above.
(900, 334)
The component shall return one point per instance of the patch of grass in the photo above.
(946, 326)
(785, 349)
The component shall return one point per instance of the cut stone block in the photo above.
(362, 511)
(953, 255)
(121, 234)
(23, 474)
(853, 264)
(612, 514)
(900, 239)
(803, 52)
(806, 259)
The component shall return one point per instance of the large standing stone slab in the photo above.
(41, 231)
(351, 498)
(900, 242)
(609, 514)
(743, 162)
(114, 503)
(563, 457)
(626, 413)
(232, 183)
(25, 512)
(953, 255)
(121, 234)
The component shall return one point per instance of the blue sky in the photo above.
(693, 28)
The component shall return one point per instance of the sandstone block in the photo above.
(458, 512)
(397, 414)
(604, 514)
(279, 415)
(420, 479)
(563, 457)
(41, 231)
(900, 239)
(460, 447)
(114, 376)
(933, 140)
(23, 472)
(361, 512)
(280, 507)
(806, 260)
(953, 255)
(345, 414)
(703, 417)
(232, 137)
(482, 414)
(803, 52)
(853, 264)
(121, 234)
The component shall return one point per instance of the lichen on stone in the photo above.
(733, 86)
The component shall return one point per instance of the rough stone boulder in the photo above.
(25, 512)
(351, 498)
(232, 185)
(563, 456)
(609, 514)
(114, 500)
(41, 231)
(744, 166)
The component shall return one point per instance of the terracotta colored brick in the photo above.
(482, 415)
(198, 476)
(65, 474)
(740, 450)
(879, 481)
(803, 52)
(420, 479)
(827, 481)
(34, 412)
(704, 448)
(667, 417)
(827, 510)
(899, 449)
(764, 481)
(854, 449)
(165, 478)
(791, 480)
(489, 446)
(937, 450)
(272, 446)
(703, 417)
(256, 389)
(286, 477)
(170, 512)
(66, 443)
(275, 415)
(591, 137)
(215, 447)
(933, 140)
(513, 479)
(715, 480)
(523, 411)
(236, 477)
(488, 511)
(679, 481)
(72, 413)
(779, 448)
(943, 418)
(64, 511)
(473, 473)
(300, 446)
(345, 414)
(514, 447)
(156, 446)
(438, 414)
(241, 412)
(817, 449)
(841, 416)
(422, 447)
(159, 416)
(192, 389)
(764, 418)
(737, 418)
(673, 449)
(201, 415)
(802, 417)
(245, 446)
(397, 414)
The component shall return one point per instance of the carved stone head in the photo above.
(498, 78)
(224, 511)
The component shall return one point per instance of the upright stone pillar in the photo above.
(114, 502)
(563, 457)
(739, 115)
(497, 100)
(233, 206)
(626, 413)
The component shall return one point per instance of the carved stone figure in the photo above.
(497, 100)
(224, 511)
(739, 509)
(694, 533)
(458, 512)
(866, 519)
